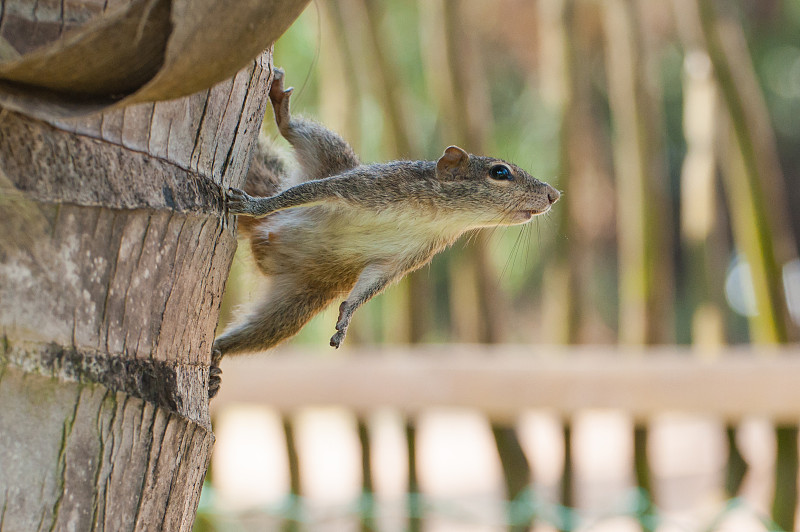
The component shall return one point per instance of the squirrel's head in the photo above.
(503, 193)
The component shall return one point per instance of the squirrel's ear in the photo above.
(453, 161)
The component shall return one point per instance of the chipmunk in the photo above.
(354, 229)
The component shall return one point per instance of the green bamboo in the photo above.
(641, 465)
(699, 227)
(645, 273)
(784, 503)
(560, 77)
(341, 96)
(516, 468)
(567, 490)
(751, 223)
(415, 507)
(736, 466)
(401, 142)
(699, 217)
(756, 229)
(642, 226)
(295, 487)
(461, 91)
(367, 516)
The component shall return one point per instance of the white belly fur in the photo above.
(347, 232)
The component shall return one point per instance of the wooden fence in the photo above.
(503, 382)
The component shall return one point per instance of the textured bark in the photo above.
(81, 457)
(114, 250)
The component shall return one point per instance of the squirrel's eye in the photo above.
(500, 172)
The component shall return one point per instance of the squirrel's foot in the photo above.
(276, 87)
(341, 326)
(214, 373)
(280, 101)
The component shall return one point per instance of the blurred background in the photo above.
(673, 130)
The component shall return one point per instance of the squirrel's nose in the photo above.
(552, 194)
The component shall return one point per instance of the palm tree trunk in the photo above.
(114, 251)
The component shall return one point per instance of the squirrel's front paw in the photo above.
(338, 338)
(214, 373)
(238, 201)
(341, 325)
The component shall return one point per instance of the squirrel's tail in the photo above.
(267, 170)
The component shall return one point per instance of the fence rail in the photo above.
(502, 382)
(730, 383)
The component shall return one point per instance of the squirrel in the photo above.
(352, 229)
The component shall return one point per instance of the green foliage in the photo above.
(524, 127)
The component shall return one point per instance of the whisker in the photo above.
(528, 229)
(539, 235)
(512, 257)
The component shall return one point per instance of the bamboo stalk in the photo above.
(340, 99)
(752, 227)
(698, 199)
(295, 487)
(516, 468)
(459, 71)
(386, 78)
(567, 494)
(401, 143)
(641, 463)
(367, 515)
(559, 75)
(644, 251)
(759, 227)
(414, 492)
(736, 466)
(558, 58)
(784, 503)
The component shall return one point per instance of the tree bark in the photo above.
(113, 257)
(114, 251)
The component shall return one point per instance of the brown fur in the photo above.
(350, 230)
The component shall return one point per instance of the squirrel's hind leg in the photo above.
(278, 317)
(319, 151)
(281, 315)
(373, 279)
